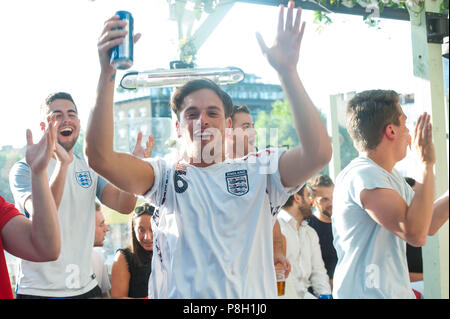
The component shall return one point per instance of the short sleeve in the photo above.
(101, 184)
(20, 182)
(157, 193)
(7, 212)
(278, 194)
(369, 177)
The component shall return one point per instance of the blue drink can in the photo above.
(122, 55)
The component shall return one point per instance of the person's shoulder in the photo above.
(20, 165)
(361, 168)
(122, 254)
(7, 212)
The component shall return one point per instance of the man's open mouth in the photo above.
(204, 135)
(66, 131)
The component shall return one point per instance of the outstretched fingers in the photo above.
(290, 16)
(298, 19)
(261, 43)
(281, 19)
(29, 137)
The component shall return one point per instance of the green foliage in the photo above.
(78, 148)
(7, 160)
(371, 19)
(281, 118)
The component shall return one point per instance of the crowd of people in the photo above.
(217, 221)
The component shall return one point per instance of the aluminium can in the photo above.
(122, 55)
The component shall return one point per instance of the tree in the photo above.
(7, 160)
(281, 118)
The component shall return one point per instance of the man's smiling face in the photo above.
(67, 121)
(202, 122)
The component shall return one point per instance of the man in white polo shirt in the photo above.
(213, 233)
(74, 187)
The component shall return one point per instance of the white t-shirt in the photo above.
(71, 274)
(100, 271)
(371, 260)
(304, 254)
(213, 232)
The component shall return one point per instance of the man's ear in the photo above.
(177, 126)
(228, 122)
(390, 132)
(297, 198)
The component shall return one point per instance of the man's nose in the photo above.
(204, 119)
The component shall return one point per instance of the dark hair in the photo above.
(290, 200)
(239, 109)
(139, 254)
(195, 85)
(411, 181)
(368, 114)
(321, 180)
(55, 96)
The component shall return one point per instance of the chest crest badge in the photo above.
(84, 179)
(237, 182)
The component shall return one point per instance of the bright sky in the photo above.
(50, 45)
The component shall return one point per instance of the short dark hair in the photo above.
(411, 181)
(55, 96)
(239, 109)
(368, 114)
(321, 180)
(195, 85)
(98, 206)
(291, 198)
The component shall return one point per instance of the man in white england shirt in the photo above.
(213, 233)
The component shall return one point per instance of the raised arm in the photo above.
(37, 239)
(300, 163)
(411, 223)
(125, 171)
(440, 214)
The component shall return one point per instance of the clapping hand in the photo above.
(38, 155)
(144, 152)
(422, 140)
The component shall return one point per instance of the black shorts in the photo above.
(96, 292)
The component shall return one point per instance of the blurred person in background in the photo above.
(132, 266)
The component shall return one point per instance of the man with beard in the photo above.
(74, 187)
(302, 249)
(321, 188)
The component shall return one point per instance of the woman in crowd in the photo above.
(132, 266)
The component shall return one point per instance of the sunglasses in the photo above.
(144, 209)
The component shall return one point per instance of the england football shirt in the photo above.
(213, 231)
(71, 274)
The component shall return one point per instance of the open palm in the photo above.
(284, 53)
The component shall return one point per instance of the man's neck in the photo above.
(382, 158)
(296, 214)
(322, 217)
(195, 162)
